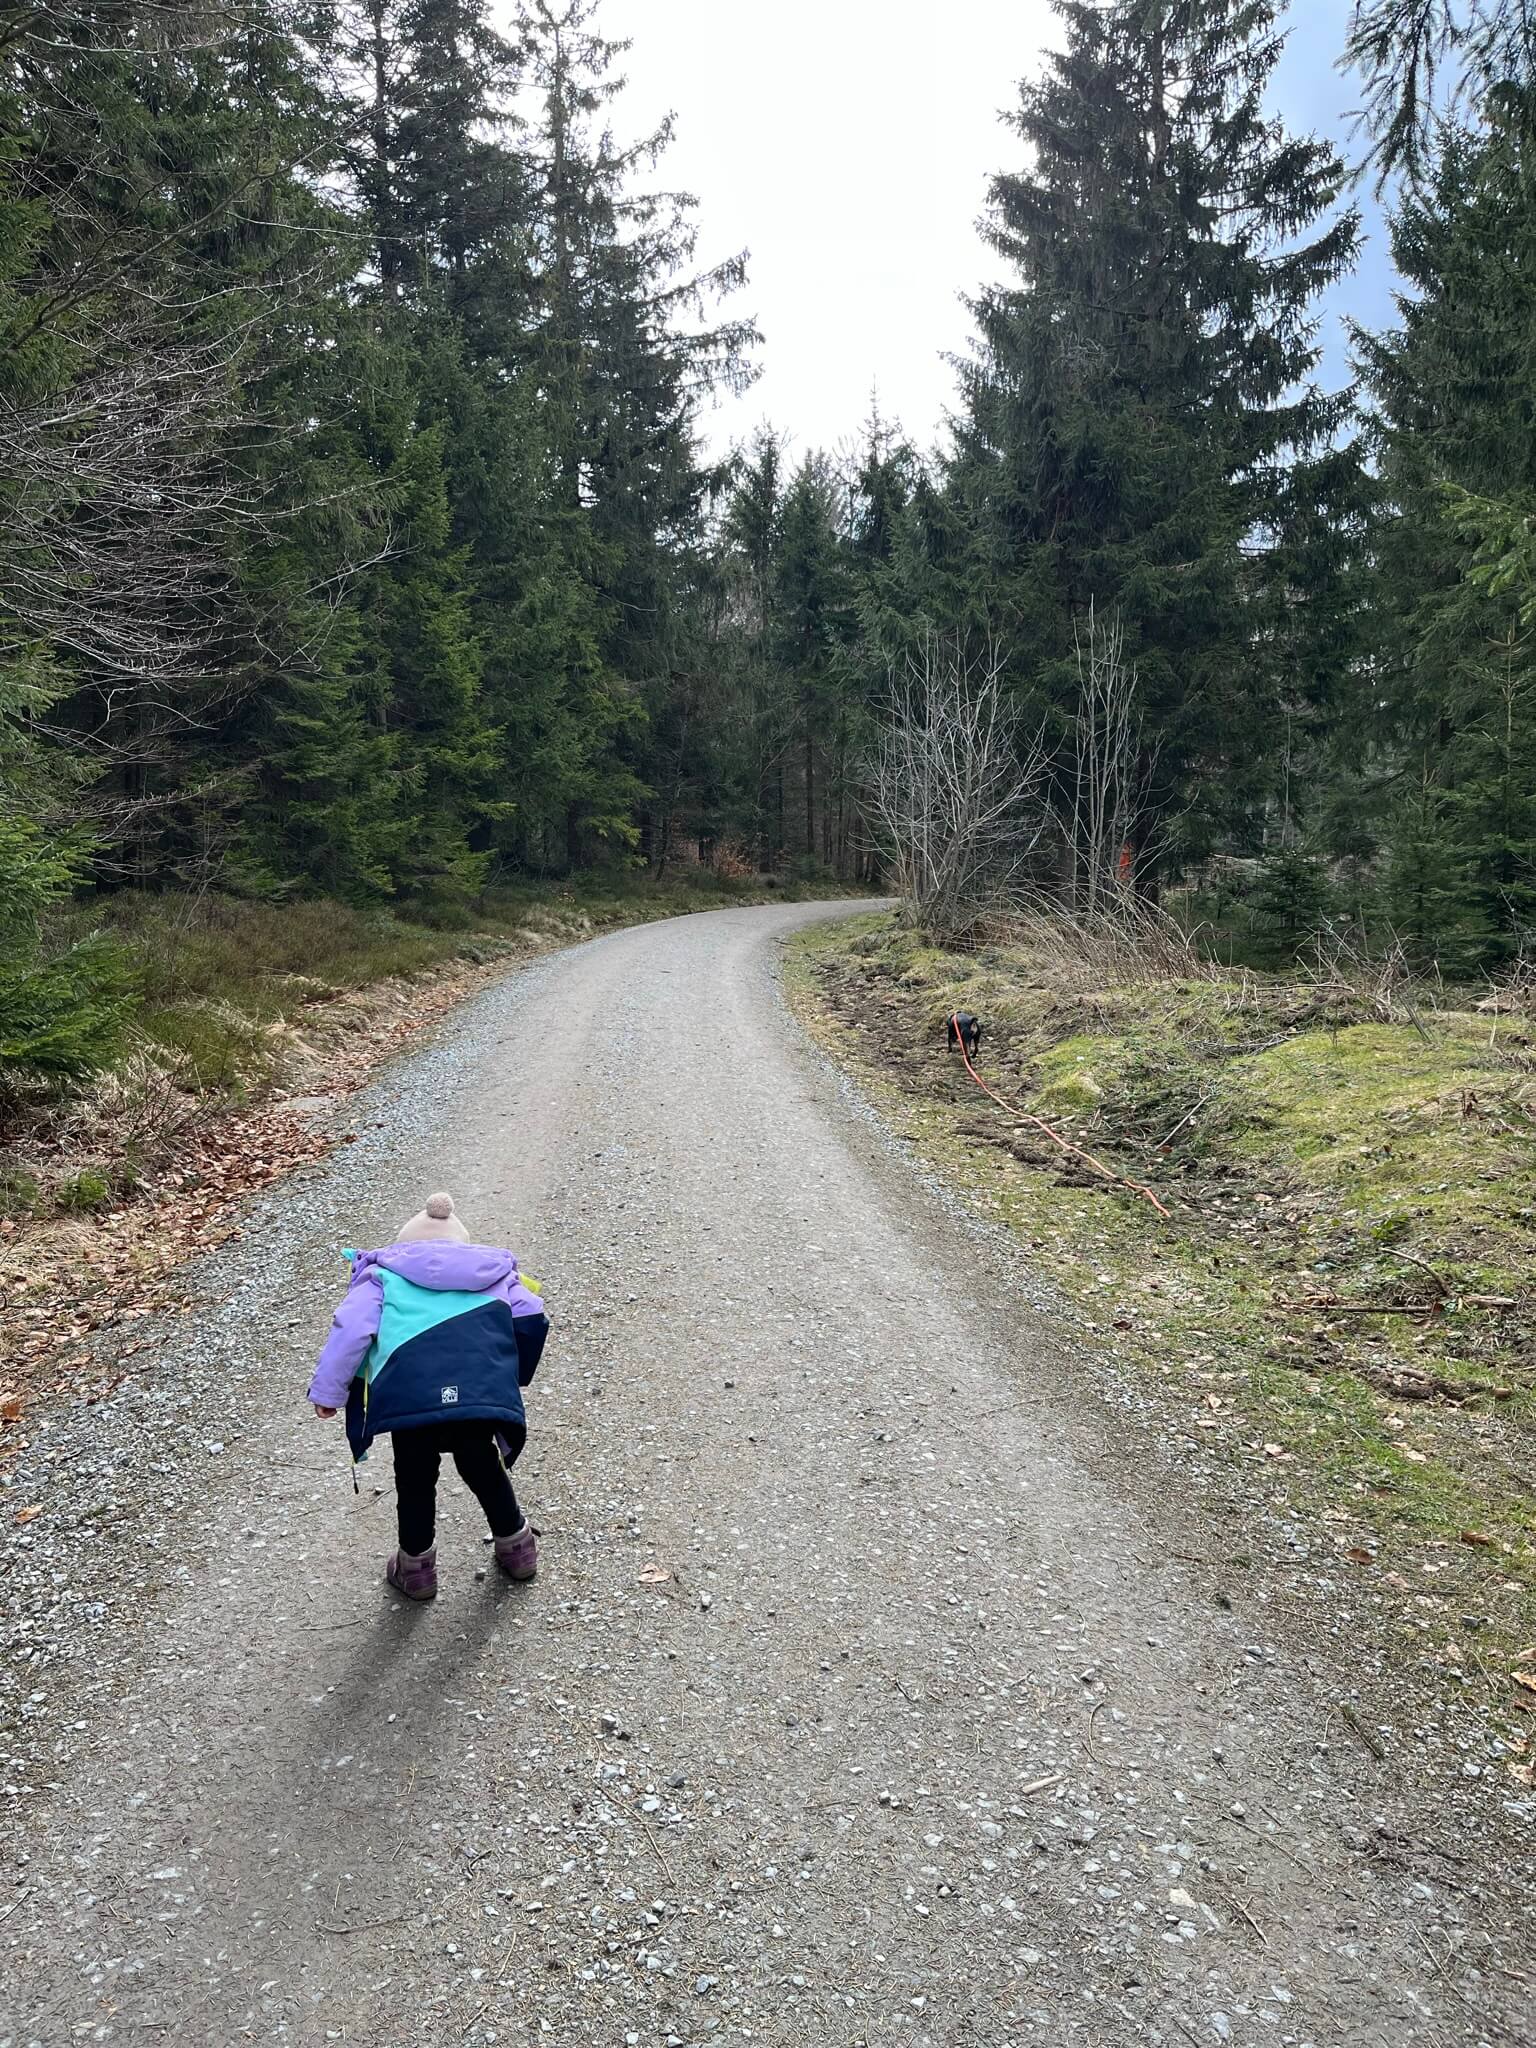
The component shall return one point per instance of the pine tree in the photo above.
(1141, 430)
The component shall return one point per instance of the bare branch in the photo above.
(953, 803)
(1110, 768)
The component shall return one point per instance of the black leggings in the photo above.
(472, 1447)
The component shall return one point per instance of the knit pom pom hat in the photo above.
(436, 1224)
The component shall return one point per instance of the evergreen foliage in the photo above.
(1422, 59)
(61, 1008)
(1456, 435)
(358, 537)
(1141, 427)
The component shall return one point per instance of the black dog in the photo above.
(965, 1030)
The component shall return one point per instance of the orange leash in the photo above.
(1055, 1137)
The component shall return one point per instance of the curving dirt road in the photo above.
(926, 1739)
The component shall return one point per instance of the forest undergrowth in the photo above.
(1336, 1314)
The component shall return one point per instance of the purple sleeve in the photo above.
(530, 1321)
(353, 1329)
(522, 1300)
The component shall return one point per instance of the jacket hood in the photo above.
(445, 1268)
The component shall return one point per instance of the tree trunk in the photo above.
(382, 195)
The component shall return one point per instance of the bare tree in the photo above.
(1107, 767)
(115, 513)
(953, 800)
(141, 469)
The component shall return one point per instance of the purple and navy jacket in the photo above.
(432, 1332)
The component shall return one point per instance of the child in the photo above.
(433, 1344)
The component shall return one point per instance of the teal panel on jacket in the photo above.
(408, 1311)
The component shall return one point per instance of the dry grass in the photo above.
(1131, 944)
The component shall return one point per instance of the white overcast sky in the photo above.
(847, 144)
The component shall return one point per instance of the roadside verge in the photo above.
(1333, 1326)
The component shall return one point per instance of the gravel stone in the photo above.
(249, 1797)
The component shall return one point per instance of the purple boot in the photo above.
(518, 1554)
(415, 1577)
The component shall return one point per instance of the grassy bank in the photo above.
(1337, 1307)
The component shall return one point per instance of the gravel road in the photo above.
(856, 1702)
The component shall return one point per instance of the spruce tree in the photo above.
(623, 351)
(429, 86)
(1422, 60)
(816, 625)
(1457, 449)
(1141, 428)
(762, 692)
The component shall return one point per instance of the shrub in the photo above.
(62, 1010)
(20, 1195)
(1290, 904)
(83, 1192)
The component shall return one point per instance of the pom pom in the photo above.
(439, 1207)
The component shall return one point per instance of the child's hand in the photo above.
(322, 1414)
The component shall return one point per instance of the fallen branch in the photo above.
(1311, 1306)
(1358, 1728)
(1040, 1784)
(1104, 1763)
(1163, 1143)
(1411, 1259)
(661, 1856)
(1238, 1907)
(1316, 1305)
(1025, 1116)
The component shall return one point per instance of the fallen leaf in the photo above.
(1522, 1678)
(31, 1514)
(1478, 1539)
(10, 1408)
(1358, 1556)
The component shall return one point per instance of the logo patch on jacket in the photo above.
(450, 1396)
